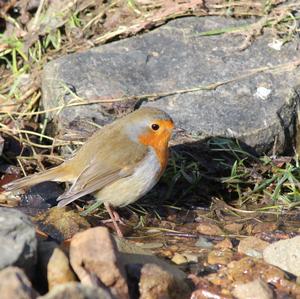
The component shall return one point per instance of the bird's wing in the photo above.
(109, 164)
(89, 183)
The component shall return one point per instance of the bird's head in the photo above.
(150, 126)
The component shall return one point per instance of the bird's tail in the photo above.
(53, 174)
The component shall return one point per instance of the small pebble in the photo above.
(203, 243)
(226, 243)
(191, 257)
(209, 229)
(252, 246)
(220, 257)
(179, 259)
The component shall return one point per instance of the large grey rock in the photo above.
(18, 244)
(257, 110)
(284, 254)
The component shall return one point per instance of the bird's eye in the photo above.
(155, 127)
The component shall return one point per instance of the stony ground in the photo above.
(223, 221)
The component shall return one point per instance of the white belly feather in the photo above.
(128, 190)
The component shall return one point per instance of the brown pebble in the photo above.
(94, 256)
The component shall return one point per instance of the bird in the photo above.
(118, 164)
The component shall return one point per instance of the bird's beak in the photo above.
(170, 128)
(170, 125)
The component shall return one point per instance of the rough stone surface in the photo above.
(54, 264)
(203, 243)
(156, 283)
(209, 229)
(220, 256)
(252, 246)
(15, 285)
(75, 290)
(249, 269)
(179, 259)
(284, 254)
(257, 289)
(257, 109)
(94, 258)
(132, 254)
(234, 228)
(18, 244)
(42, 196)
(224, 244)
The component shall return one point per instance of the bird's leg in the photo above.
(112, 213)
(91, 208)
(112, 216)
(117, 216)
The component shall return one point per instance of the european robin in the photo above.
(118, 164)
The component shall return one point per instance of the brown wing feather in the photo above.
(91, 186)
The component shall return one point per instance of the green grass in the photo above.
(273, 181)
(233, 175)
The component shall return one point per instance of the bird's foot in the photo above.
(114, 216)
(117, 217)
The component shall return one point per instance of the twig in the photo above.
(6, 128)
(37, 15)
(181, 235)
(30, 143)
